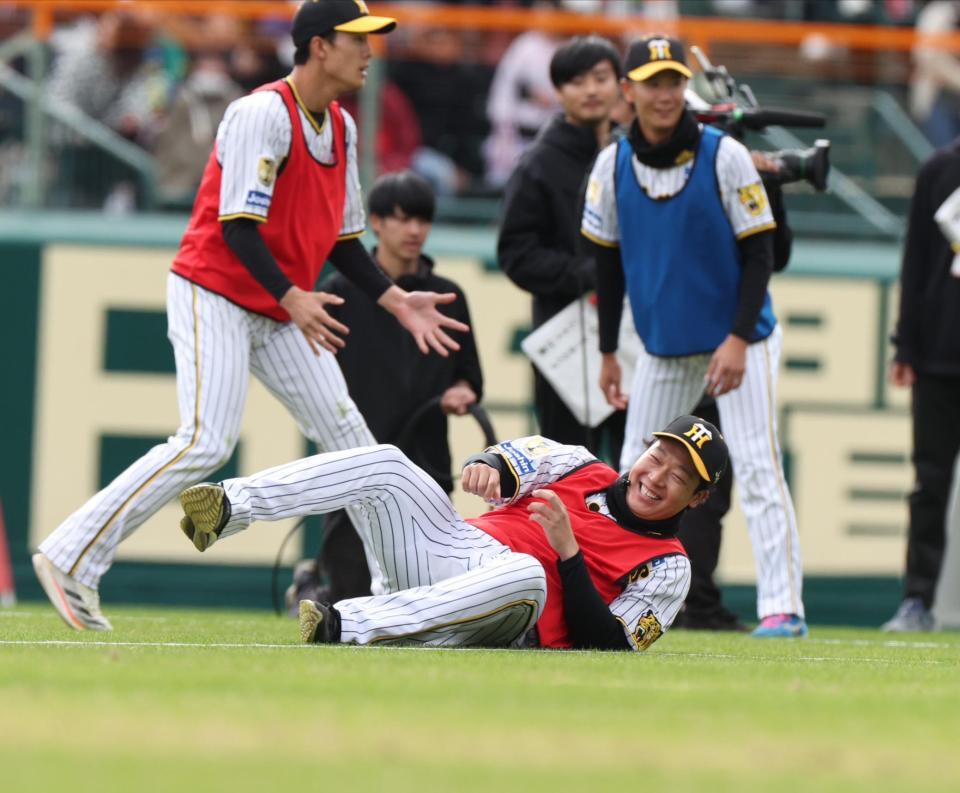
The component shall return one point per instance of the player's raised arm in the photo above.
(521, 466)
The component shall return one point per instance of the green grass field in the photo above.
(227, 701)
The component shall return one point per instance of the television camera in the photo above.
(718, 99)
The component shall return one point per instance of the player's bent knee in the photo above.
(206, 458)
(391, 453)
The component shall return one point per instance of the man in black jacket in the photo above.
(927, 359)
(539, 247)
(383, 370)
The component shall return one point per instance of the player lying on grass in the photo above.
(588, 557)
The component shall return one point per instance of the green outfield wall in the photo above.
(88, 384)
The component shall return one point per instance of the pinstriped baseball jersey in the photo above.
(253, 141)
(648, 596)
(299, 240)
(613, 554)
(741, 192)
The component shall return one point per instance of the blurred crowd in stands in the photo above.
(460, 105)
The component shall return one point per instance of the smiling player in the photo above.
(587, 556)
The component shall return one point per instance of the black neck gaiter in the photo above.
(681, 147)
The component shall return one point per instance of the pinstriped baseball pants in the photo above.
(664, 388)
(446, 581)
(216, 345)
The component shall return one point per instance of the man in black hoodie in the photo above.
(386, 380)
(927, 359)
(539, 246)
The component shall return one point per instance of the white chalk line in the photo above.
(659, 653)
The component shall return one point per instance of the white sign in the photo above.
(566, 351)
(948, 219)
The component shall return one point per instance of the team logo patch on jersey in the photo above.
(267, 171)
(753, 198)
(594, 191)
(537, 446)
(640, 572)
(648, 630)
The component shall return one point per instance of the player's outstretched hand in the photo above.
(479, 479)
(729, 362)
(417, 312)
(553, 516)
(610, 381)
(308, 312)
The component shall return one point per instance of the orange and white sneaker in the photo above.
(79, 605)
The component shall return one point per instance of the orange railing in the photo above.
(698, 30)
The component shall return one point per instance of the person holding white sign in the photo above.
(539, 248)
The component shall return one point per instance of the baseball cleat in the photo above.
(77, 604)
(781, 626)
(207, 510)
(319, 623)
(912, 617)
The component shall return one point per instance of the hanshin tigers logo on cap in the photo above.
(699, 434)
(653, 54)
(703, 442)
(659, 49)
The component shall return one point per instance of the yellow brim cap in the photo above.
(694, 454)
(647, 71)
(368, 24)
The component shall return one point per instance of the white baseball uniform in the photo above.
(217, 343)
(664, 387)
(447, 582)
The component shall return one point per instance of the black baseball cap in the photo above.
(648, 56)
(703, 441)
(316, 17)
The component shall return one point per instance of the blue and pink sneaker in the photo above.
(781, 626)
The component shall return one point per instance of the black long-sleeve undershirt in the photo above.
(348, 256)
(243, 238)
(590, 623)
(757, 260)
(356, 264)
(611, 288)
